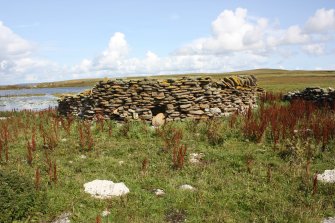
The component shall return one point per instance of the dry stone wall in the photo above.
(320, 96)
(196, 98)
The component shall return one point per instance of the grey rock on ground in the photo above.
(63, 218)
(329, 220)
(159, 192)
(328, 176)
(186, 187)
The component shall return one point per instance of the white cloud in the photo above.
(314, 49)
(117, 49)
(11, 44)
(237, 41)
(322, 21)
(18, 64)
(231, 31)
(295, 35)
(174, 17)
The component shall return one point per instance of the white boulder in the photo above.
(105, 189)
(328, 176)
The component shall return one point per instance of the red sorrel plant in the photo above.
(49, 166)
(55, 177)
(55, 126)
(89, 137)
(110, 129)
(7, 152)
(29, 154)
(125, 128)
(85, 136)
(1, 148)
(145, 165)
(270, 97)
(308, 167)
(98, 219)
(249, 160)
(315, 183)
(269, 172)
(37, 179)
(254, 129)
(233, 120)
(178, 158)
(67, 123)
(100, 121)
(213, 133)
(50, 139)
(52, 171)
(171, 137)
(81, 136)
(33, 139)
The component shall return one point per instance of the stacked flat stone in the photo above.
(177, 99)
(321, 96)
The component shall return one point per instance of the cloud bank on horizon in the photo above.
(237, 41)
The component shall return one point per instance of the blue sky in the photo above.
(59, 40)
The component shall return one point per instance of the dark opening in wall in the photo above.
(158, 109)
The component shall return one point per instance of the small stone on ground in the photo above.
(105, 213)
(63, 218)
(186, 187)
(159, 192)
(196, 157)
(121, 162)
(329, 220)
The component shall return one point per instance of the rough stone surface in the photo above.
(320, 96)
(196, 157)
(105, 213)
(328, 176)
(159, 192)
(176, 99)
(158, 120)
(186, 187)
(329, 220)
(105, 189)
(63, 218)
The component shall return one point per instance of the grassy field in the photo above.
(269, 79)
(252, 170)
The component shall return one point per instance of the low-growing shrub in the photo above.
(19, 198)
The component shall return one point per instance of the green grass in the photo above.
(225, 190)
(269, 79)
